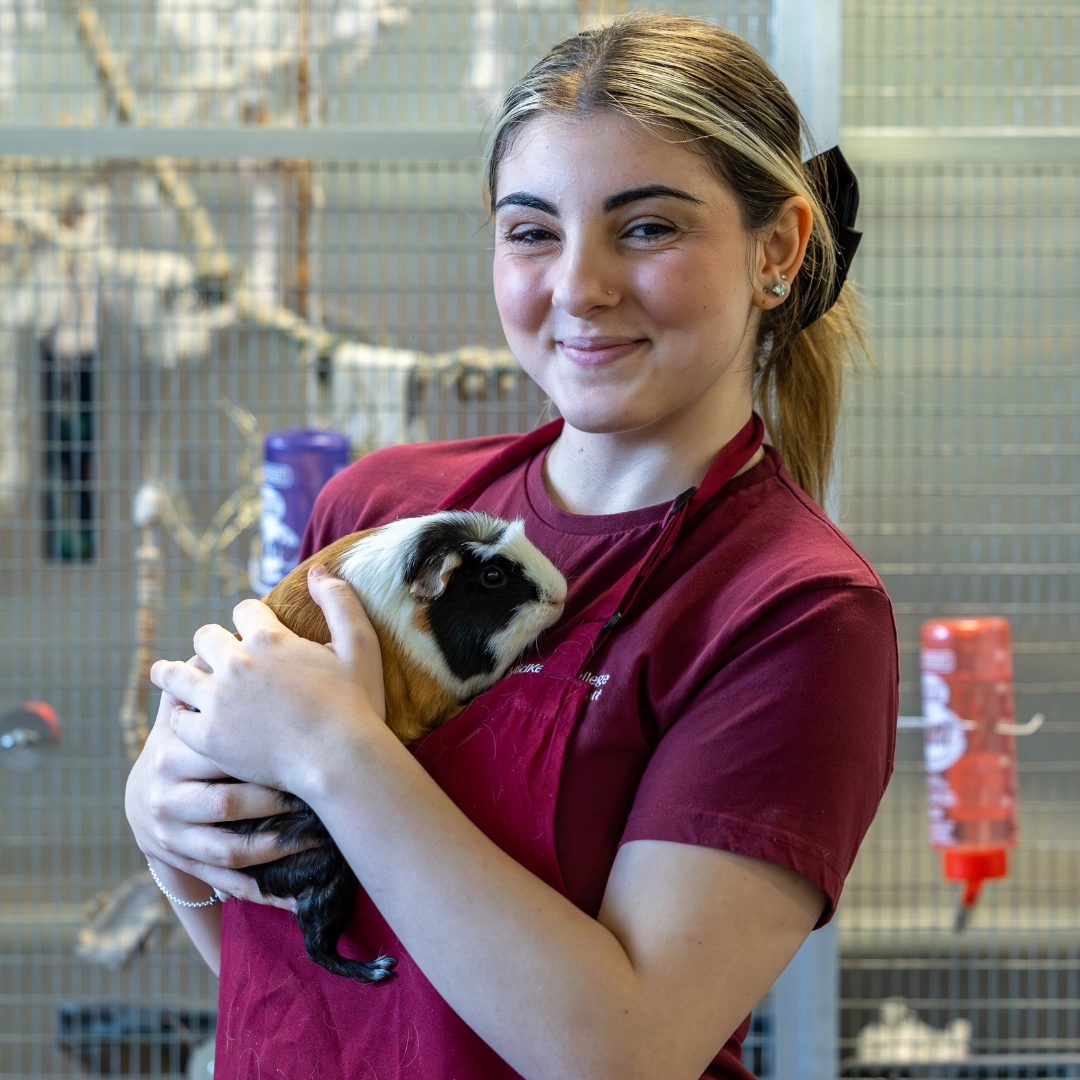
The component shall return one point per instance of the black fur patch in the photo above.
(469, 613)
(322, 882)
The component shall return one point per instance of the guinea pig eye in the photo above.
(493, 577)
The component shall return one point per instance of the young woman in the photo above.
(601, 865)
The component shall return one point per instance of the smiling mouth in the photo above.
(596, 352)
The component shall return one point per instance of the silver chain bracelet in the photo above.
(176, 899)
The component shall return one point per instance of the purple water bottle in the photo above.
(296, 464)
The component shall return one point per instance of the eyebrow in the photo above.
(612, 202)
(650, 191)
(523, 198)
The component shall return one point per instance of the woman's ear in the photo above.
(781, 252)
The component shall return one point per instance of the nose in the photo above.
(585, 281)
(556, 599)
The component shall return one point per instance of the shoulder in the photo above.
(395, 482)
(766, 579)
(776, 543)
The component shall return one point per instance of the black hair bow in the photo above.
(839, 190)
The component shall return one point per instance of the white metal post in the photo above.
(805, 1005)
(806, 51)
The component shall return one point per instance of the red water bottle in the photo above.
(970, 749)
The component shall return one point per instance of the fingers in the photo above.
(351, 632)
(213, 646)
(172, 760)
(191, 847)
(174, 806)
(161, 818)
(256, 623)
(222, 802)
(213, 846)
(233, 883)
(167, 701)
(185, 682)
(181, 826)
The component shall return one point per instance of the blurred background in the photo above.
(225, 218)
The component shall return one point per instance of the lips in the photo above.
(598, 351)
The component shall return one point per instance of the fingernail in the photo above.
(318, 570)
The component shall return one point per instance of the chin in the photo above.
(608, 402)
(606, 417)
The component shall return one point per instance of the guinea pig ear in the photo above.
(434, 574)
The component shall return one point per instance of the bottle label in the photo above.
(278, 473)
(943, 661)
(945, 741)
(280, 542)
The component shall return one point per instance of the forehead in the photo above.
(586, 159)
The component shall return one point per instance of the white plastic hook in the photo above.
(1029, 728)
(1033, 725)
(910, 722)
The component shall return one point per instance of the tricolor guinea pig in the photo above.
(455, 598)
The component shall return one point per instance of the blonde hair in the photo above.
(684, 76)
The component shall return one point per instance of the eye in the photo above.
(531, 236)
(649, 231)
(493, 577)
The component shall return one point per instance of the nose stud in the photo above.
(610, 293)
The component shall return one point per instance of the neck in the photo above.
(614, 472)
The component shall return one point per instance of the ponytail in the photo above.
(798, 389)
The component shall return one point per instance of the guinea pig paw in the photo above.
(382, 968)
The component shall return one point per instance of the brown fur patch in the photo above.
(416, 702)
(421, 621)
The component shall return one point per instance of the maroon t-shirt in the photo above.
(747, 703)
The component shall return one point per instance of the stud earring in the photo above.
(779, 289)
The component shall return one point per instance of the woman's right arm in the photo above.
(174, 802)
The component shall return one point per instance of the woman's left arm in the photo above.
(688, 938)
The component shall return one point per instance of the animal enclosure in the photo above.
(227, 218)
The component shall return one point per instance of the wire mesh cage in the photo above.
(159, 315)
(961, 478)
(143, 389)
(1002, 63)
(170, 63)
(960, 484)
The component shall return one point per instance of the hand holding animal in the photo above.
(454, 597)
